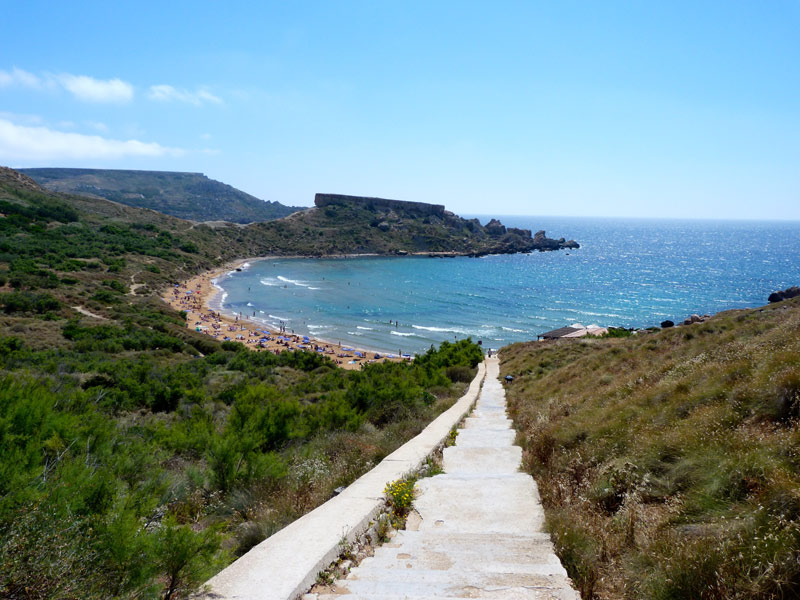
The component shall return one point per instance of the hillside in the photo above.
(191, 196)
(669, 462)
(337, 225)
(138, 457)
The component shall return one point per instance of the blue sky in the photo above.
(650, 109)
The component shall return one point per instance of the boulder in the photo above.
(667, 323)
(791, 292)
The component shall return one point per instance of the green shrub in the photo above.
(28, 302)
(462, 374)
(184, 557)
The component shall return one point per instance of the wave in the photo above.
(313, 288)
(365, 328)
(319, 326)
(269, 282)
(293, 281)
(403, 334)
(249, 304)
(278, 318)
(440, 329)
(458, 330)
(514, 330)
(353, 333)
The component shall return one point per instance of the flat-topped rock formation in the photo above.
(418, 208)
(480, 532)
(384, 226)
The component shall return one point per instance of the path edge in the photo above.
(285, 565)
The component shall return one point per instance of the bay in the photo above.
(627, 273)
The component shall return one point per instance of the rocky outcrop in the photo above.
(541, 242)
(495, 228)
(791, 292)
(17, 179)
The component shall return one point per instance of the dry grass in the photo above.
(669, 463)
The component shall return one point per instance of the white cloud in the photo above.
(19, 142)
(97, 126)
(90, 89)
(28, 119)
(19, 77)
(167, 93)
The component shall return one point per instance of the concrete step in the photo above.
(504, 594)
(546, 563)
(496, 421)
(528, 587)
(470, 552)
(532, 574)
(507, 503)
(518, 539)
(485, 438)
(459, 459)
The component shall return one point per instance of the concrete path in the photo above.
(480, 534)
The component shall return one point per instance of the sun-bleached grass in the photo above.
(669, 462)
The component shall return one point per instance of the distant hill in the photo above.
(191, 196)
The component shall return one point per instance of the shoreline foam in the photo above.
(202, 298)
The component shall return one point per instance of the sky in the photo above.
(636, 109)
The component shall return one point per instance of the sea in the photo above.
(632, 273)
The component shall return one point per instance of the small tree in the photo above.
(184, 557)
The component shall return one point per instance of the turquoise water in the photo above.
(629, 273)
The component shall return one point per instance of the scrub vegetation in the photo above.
(669, 462)
(137, 457)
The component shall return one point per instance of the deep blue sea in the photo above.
(628, 273)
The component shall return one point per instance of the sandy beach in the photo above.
(195, 295)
